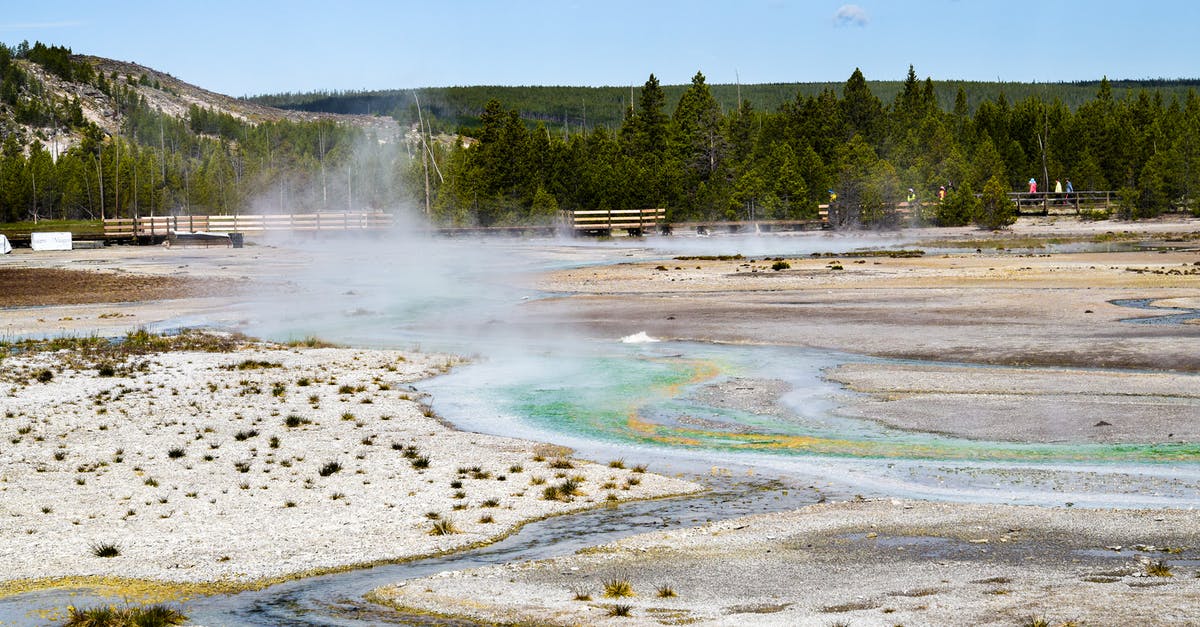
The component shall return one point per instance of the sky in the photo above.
(250, 47)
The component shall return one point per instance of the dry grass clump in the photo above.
(618, 587)
(105, 549)
(565, 491)
(443, 527)
(1159, 568)
(130, 616)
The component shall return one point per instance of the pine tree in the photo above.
(995, 209)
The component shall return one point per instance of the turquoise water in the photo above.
(652, 396)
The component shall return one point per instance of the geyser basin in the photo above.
(704, 404)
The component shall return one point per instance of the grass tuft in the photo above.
(140, 616)
(295, 421)
(665, 591)
(1159, 568)
(443, 527)
(620, 609)
(105, 549)
(616, 588)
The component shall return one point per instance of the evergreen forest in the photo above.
(682, 148)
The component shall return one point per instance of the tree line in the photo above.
(701, 161)
(684, 150)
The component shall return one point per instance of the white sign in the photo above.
(5, 247)
(50, 241)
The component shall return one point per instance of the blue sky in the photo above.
(250, 47)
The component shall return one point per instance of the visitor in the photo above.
(1032, 186)
(912, 195)
(1057, 186)
(942, 193)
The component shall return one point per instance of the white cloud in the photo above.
(851, 15)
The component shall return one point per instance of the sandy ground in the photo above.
(854, 563)
(1027, 404)
(187, 463)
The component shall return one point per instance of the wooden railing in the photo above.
(1063, 202)
(156, 227)
(606, 220)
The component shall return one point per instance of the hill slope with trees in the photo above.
(84, 137)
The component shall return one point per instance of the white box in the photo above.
(50, 241)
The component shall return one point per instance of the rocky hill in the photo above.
(157, 90)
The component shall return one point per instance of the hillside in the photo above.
(85, 137)
(161, 92)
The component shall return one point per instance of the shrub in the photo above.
(420, 462)
(666, 592)
(245, 435)
(329, 468)
(106, 370)
(44, 376)
(176, 453)
(561, 463)
(780, 265)
(581, 593)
